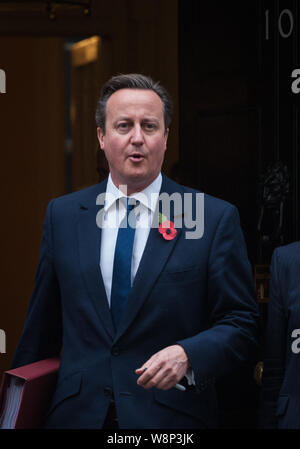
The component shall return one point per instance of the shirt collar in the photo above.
(148, 197)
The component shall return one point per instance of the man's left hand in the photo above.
(164, 369)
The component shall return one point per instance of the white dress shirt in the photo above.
(114, 212)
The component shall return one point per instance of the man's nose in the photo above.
(137, 137)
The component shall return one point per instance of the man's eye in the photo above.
(123, 126)
(149, 126)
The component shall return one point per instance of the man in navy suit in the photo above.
(190, 315)
(280, 382)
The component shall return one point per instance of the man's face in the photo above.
(135, 138)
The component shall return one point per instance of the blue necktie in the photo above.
(121, 279)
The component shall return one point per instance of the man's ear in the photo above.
(100, 135)
(166, 137)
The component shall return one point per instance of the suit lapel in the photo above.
(89, 238)
(156, 254)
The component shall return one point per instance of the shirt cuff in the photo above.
(190, 377)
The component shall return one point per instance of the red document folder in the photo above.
(25, 394)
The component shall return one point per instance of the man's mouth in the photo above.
(136, 157)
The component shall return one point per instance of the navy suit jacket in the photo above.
(198, 293)
(281, 375)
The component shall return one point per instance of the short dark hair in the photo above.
(132, 81)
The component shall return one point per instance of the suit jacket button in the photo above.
(115, 350)
(108, 391)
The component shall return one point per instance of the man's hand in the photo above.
(164, 369)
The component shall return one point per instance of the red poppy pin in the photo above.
(166, 228)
